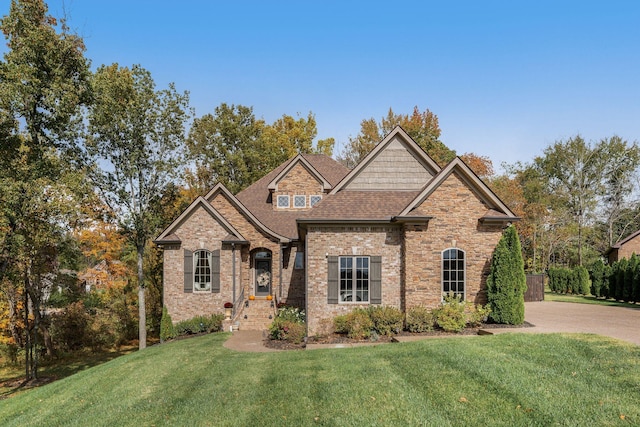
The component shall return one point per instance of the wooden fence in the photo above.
(535, 287)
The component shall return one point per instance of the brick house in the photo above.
(624, 248)
(396, 230)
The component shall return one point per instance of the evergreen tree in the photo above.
(506, 283)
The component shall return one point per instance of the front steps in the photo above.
(257, 315)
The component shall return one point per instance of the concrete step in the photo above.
(256, 315)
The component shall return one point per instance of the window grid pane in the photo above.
(202, 270)
(299, 201)
(283, 201)
(354, 279)
(453, 272)
(313, 200)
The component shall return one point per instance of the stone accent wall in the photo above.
(298, 182)
(199, 231)
(456, 210)
(382, 240)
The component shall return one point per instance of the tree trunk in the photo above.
(142, 312)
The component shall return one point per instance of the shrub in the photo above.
(450, 316)
(507, 282)
(199, 325)
(167, 331)
(356, 324)
(419, 319)
(287, 330)
(476, 314)
(596, 274)
(386, 320)
(70, 328)
(288, 325)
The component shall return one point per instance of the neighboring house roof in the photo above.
(619, 244)
(257, 197)
(168, 236)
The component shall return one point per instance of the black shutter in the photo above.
(332, 281)
(188, 271)
(215, 271)
(375, 275)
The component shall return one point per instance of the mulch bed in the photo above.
(343, 339)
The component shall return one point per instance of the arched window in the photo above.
(202, 270)
(453, 272)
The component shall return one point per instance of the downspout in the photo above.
(233, 274)
(280, 267)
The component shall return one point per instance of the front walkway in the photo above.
(546, 316)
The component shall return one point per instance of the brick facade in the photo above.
(455, 224)
(365, 240)
(198, 231)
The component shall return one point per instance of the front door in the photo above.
(263, 273)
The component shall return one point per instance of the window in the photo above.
(299, 201)
(283, 201)
(313, 200)
(299, 262)
(453, 272)
(202, 271)
(354, 279)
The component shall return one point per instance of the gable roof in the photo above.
(396, 135)
(247, 213)
(257, 197)
(497, 211)
(619, 244)
(299, 159)
(168, 236)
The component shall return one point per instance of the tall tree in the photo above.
(580, 177)
(43, 84)
(423, 127)
(231, 146)
(224, 144)
(135, 140)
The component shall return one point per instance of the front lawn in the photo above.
(507, 379)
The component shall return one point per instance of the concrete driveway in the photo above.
(547, 316)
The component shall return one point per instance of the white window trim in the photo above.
(295, 204)
(196, 257)
(282, 197)
(464, 271)
(354, 279)
(311, 204)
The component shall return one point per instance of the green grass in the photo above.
(586, 299)
(501, 380)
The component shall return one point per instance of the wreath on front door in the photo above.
(263, 279)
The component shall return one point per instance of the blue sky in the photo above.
(506, 78)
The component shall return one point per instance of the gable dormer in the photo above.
(396, 163)
(298, 187)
